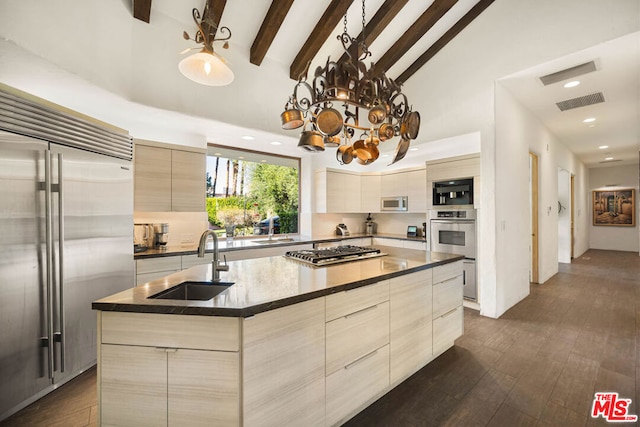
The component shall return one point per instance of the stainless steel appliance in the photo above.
(335, 255)
(66, 241)
(342, 230)
(454, 232)
(161, 235)
(458, 192)
(398, 203)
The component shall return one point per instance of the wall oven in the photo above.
(454, 232)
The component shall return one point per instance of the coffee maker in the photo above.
(370, 226)
(161, 235)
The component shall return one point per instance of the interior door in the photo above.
(24, 368)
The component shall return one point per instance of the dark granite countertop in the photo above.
(263, 284)
(239, 244)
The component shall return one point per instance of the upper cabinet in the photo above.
(351, 192)
(467, 166)
(168, 179)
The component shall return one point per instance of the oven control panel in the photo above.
(465, 214)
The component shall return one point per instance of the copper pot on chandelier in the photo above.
(372, 103)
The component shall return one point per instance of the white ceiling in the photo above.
(94, 57)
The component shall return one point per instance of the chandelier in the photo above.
(374, 107)
(206, 67)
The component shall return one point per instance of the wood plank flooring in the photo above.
(538, 365)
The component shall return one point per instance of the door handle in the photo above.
(49, 260)
(61, 333)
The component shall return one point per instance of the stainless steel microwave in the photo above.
(396, 203)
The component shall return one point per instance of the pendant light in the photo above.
(206, 67)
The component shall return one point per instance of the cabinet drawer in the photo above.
(168, 330)
(447, 295)
(446, 329)
(152, 265)
(346, 302)
(447, 271)
(356, 334)
(356, 385)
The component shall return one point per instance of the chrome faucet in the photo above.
(216, 267)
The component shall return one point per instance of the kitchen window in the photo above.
(252, 193)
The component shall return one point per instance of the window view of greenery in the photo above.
(251, 193)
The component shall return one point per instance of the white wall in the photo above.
(612, 237)
(518, 132)
(564, 216)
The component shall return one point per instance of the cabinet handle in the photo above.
(449, 312)
(365, 357)
(167, 349)
(373, 307)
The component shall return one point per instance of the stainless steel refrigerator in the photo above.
(66, 224)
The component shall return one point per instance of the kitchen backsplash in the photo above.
(389, 223)
(185, 228)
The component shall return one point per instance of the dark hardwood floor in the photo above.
(539, 364)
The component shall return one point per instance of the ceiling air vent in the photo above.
(569, 73)
(582, 101)
(610, 161)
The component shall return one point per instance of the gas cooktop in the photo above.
(335, 255)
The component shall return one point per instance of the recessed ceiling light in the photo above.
(248, 138)
(241, 157)
(276, 143)
(603, 147)
(217, 154)
(608, 158)
(413, 149)
(589, 120)
(263, 161)
(573, 83)
(384, 155)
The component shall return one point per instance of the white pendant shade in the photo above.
(206, 69)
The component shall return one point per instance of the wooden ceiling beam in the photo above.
(418, 29)
(378, 23)
(212, 14)
(268, 30)
(446, 38)
(142, 10)
(330, 18)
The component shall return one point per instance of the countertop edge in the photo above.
(262, 307)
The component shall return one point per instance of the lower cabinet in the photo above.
(448, 315)
(411, 324)
(149, 386)
(357, 349)
(283, 366)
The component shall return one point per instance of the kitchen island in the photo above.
(286, 344)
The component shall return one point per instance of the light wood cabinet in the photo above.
(152, 179)
(188, 181)
(351, 192)
(411, 324)
(357, 385)
(448, 315)
(370, 193)
(168, 370)
(167, 179)
(283, 366)
(337, 192)
(357, 349)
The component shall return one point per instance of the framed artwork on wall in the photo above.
(615, 207)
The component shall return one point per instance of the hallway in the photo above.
(539, 364)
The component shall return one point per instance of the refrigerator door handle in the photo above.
(49, 259)
(60, 336)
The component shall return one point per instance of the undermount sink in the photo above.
(193, 291)
(267, 241)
